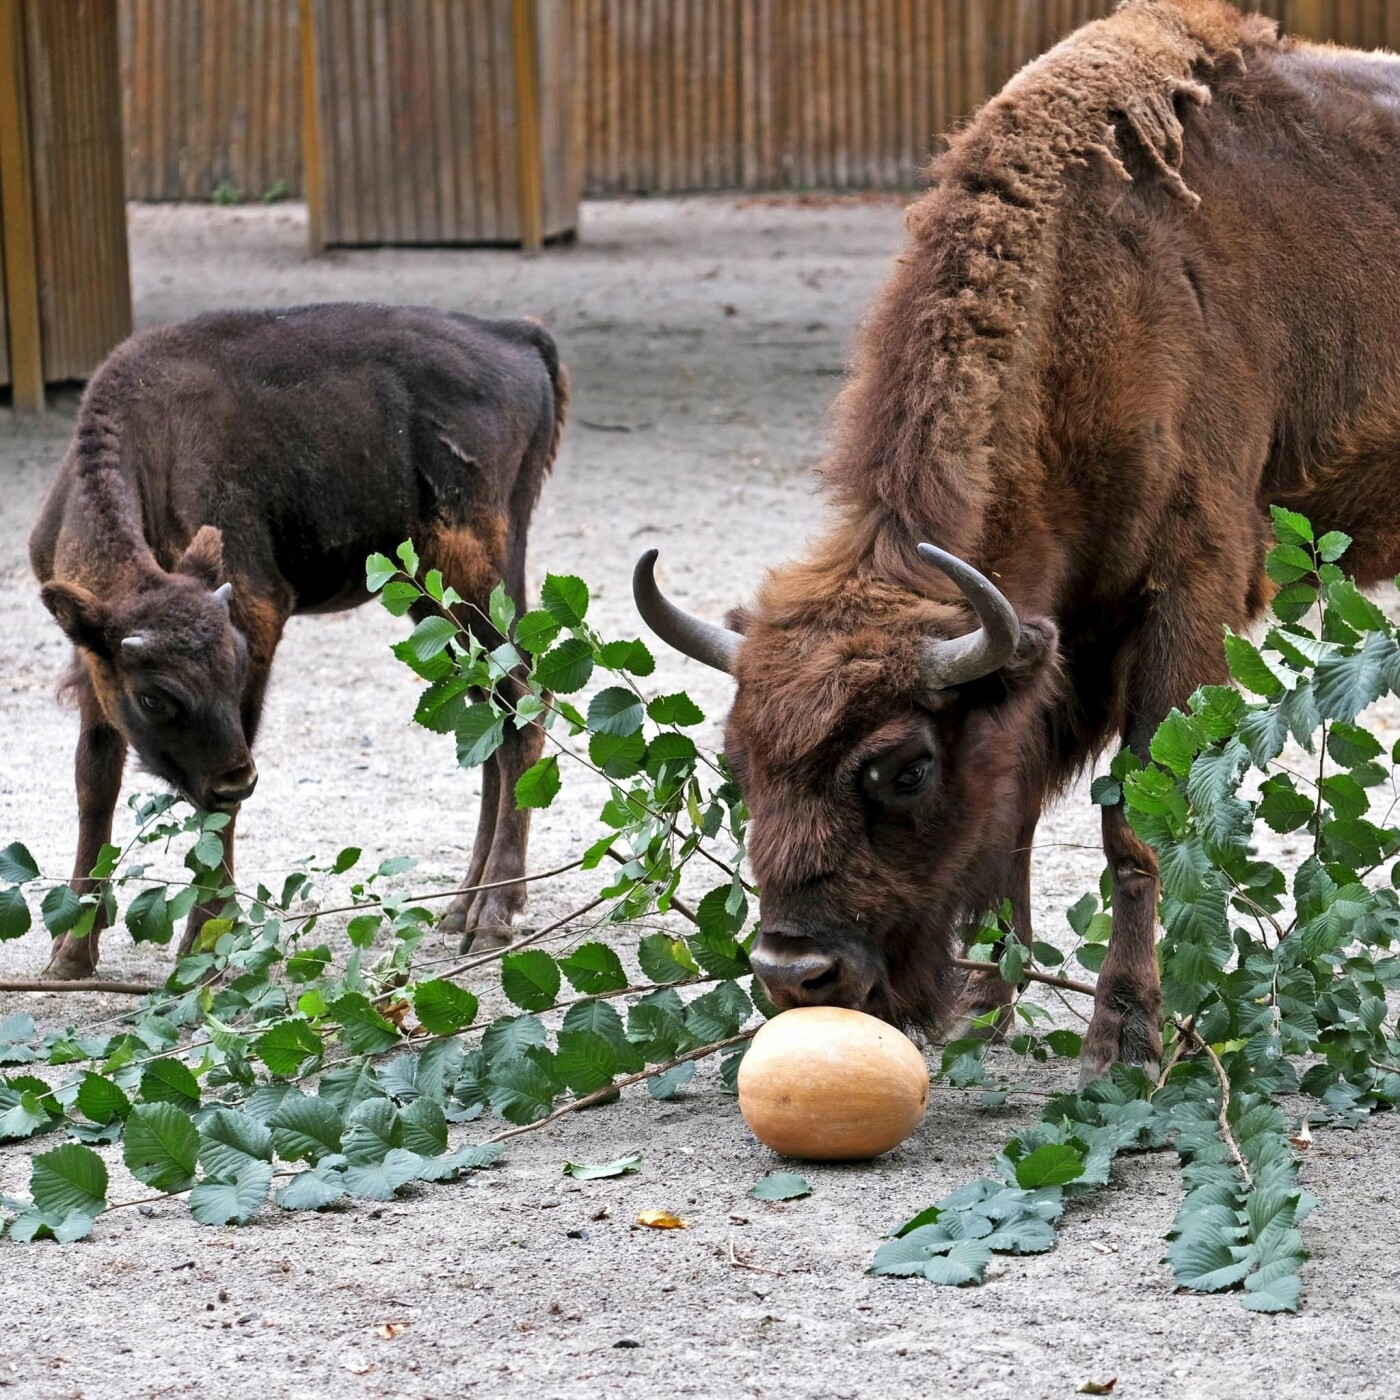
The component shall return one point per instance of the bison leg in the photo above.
(98, 765)
(1127, 1022)
(211, 908)
(493, 910)
(989, 991)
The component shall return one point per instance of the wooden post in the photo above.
(525, 42)
(313, 169)
(1309, 19)
(21, 267)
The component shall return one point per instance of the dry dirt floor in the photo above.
(706, 341)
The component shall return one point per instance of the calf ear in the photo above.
(1037, 653)
(204, 556)
(82, 615)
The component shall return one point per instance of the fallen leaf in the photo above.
(581, 1171)
(356, 1365)
(396, 1011)
(660, 1220)
(1097, 1387)
(780, 1186)
(390, 1330)
(1302, 1139)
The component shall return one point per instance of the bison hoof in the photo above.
(71, 961)
(490, 938)
(986, 996)
(1132, 1037)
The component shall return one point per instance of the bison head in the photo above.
(167, 665)
(882, 749)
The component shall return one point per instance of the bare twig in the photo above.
(598, 1095)
(737, 1261)
(676, 902)
(1187, 1031)
(1031, 975)
(82, 984)
(1182, 1040)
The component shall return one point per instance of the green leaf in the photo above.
(539, 784)
(1287, 563)
(631, 656)
(593, 968)
(565, 599)
(443, 1007)
(501, 609)
(675, 709)
(373, 1128)
(380, 1181)
(1292, 602)
(101, 1099)
(430, 637)
(1290, 528)
(530, 979)
(61, 909)
(149, 917)
(619, 758)
(480, 732)
(229, 1140)
(442, 705)
(160, 1146)
(657, 955)
(345, 1086)
(1248, 667)
(169, 1081)
(963, 1264)
(670, 1082)
(1106, 791)
(1052, 1164)
(586, 1060)
(567, 668)
(305, 1129)
(615, 711)
(424, 1128)
(521, 1091)
(468, 1157)
(22, 1112)
(17, 866)
(1333, 545)
(312, 1190)
(287, 1047)
(510, 1036)
(232, 1200)
(15, 918)
(621, 1167)
(1176, 743)
(398, 597)
(408, 557)
(536, 631)
(68, 1179)
(378, 571)
(780, 1186)
(362, 1028)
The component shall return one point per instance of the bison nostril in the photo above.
(234, 787)
(822, 979)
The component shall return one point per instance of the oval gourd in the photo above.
(829, 1084)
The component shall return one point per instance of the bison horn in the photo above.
(134, 642)
(223, 592)
(702, 641)
(950, 661)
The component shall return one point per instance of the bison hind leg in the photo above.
(986, 995)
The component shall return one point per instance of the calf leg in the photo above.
(459, 911)
(493, 910)
(211, 907)
(98, 765)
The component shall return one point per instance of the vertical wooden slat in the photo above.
(525, 38)
(313, 171)
(17, 219)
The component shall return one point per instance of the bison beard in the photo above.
(1150, 291)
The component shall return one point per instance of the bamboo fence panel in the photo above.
(665, 95)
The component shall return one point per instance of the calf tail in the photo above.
(559, 383)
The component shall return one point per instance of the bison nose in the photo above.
(799, 974)
(233, 787)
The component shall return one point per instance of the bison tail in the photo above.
(558, 382)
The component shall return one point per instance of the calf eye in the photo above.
(911, 778)
(153, 704)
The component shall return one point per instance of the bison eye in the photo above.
(911, 778)
(156, 705)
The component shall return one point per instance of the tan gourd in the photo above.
(832, 1085)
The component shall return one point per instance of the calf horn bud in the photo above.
(223, 592)
(691, 636)
(134, 642)
(950, 661)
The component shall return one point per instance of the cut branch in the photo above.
(82, 984)
(1031, 975)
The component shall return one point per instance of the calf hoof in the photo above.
(1130, 1037)
(490, 938)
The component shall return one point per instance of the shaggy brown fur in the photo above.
(1150, 291)
(273, 452)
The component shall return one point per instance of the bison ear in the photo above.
(1037, 648)
(738, 620)
(82, 615)
(204, 557)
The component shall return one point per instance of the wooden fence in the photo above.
(674, 95)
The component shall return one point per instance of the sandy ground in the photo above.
(706, 340)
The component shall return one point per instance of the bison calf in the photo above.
(236, 469)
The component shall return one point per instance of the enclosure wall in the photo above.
(671, 95)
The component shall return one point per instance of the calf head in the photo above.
(881, 750)
(167, 666)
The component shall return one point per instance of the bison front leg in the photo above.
(1127, 1021)
(211, 907)
(98, 764)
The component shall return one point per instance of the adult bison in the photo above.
(237, 469)
(1151, 290)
